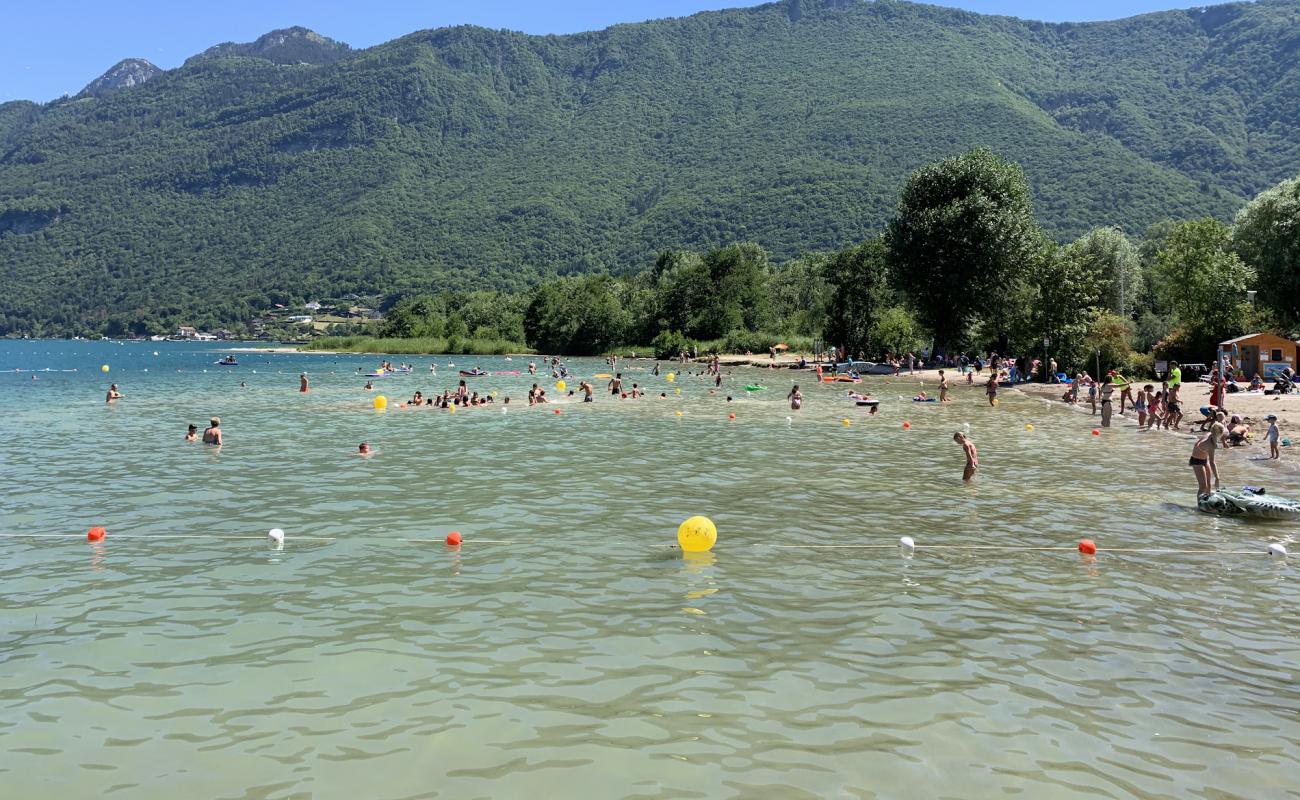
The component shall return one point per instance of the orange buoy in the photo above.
(731, 416)
(453, 539)
(1088, 547)
(96, 534)
(1096, 432)
(907, 426)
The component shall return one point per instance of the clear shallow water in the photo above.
(577, 654)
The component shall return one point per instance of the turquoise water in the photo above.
(566, 649)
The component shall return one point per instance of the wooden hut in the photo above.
(1261, 353)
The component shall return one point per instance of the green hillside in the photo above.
(465, 158)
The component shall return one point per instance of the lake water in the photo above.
(567, 650)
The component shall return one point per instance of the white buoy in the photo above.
(1277, 551)
(966, 425)
(155, 352)
(276, 535)
(789, 419)
(907, 545)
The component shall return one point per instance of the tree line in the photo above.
(962, 266)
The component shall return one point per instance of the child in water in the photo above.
(972, 458)
(193, 435)
(795, 397)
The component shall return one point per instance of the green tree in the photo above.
(896, 331)
(738, 296)
(1267, 237)
(1203, 282)
(1058, 300)
(859, 283)
(575, 315)
(962, 236)
(1114, 259)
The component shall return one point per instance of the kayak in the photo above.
(1235, 503)
(472, 373)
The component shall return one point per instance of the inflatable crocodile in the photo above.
(1235, 503)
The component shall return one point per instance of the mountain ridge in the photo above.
(463, 157)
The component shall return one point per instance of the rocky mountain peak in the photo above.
(296, 45)
(123, 75)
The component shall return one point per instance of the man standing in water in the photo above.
(302, 382)
(972, 458)
(616, 384)
(113, 393)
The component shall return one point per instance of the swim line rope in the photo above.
(890, 546)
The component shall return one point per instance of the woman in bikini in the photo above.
(1202, 452)
(795, 397)
(1107, 389)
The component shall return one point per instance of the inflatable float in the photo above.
(472, 373)
(1248, 501)
(507, 372)
(841, 379)
(229, 361)
(864, 400)
(919, 399)
(754, 388)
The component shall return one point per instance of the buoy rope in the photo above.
(889, 546)
(1012, 548)
(160, 536)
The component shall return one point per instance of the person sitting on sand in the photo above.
(972, 457)
(212, 435)
(1257, 383)
(193, 435)
(113, 393)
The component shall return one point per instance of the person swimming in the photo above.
(364, 450)
(113, 393)
(193, 435)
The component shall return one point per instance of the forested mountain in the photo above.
(459, 158)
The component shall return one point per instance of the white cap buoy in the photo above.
(906, 544)
(1277, 551)
(276, 535)
(966, 425)
(789, 419)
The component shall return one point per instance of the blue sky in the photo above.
(48, 47)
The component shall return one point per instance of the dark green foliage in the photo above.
(576, 316)
(1204, 282)
(859, 278)
(463, 159)
(1267, 237)
(671, 344)
(961, 239)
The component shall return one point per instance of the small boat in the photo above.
(228, 361)
(472, 373)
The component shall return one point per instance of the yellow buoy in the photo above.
(381, 402)
(104, 368)
(697, 535)
(452, 408)
(679, 413)
(670, 377)
(561, 386)
(995, 402)
(677, 391)
(1028, 427)
(845, 422)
